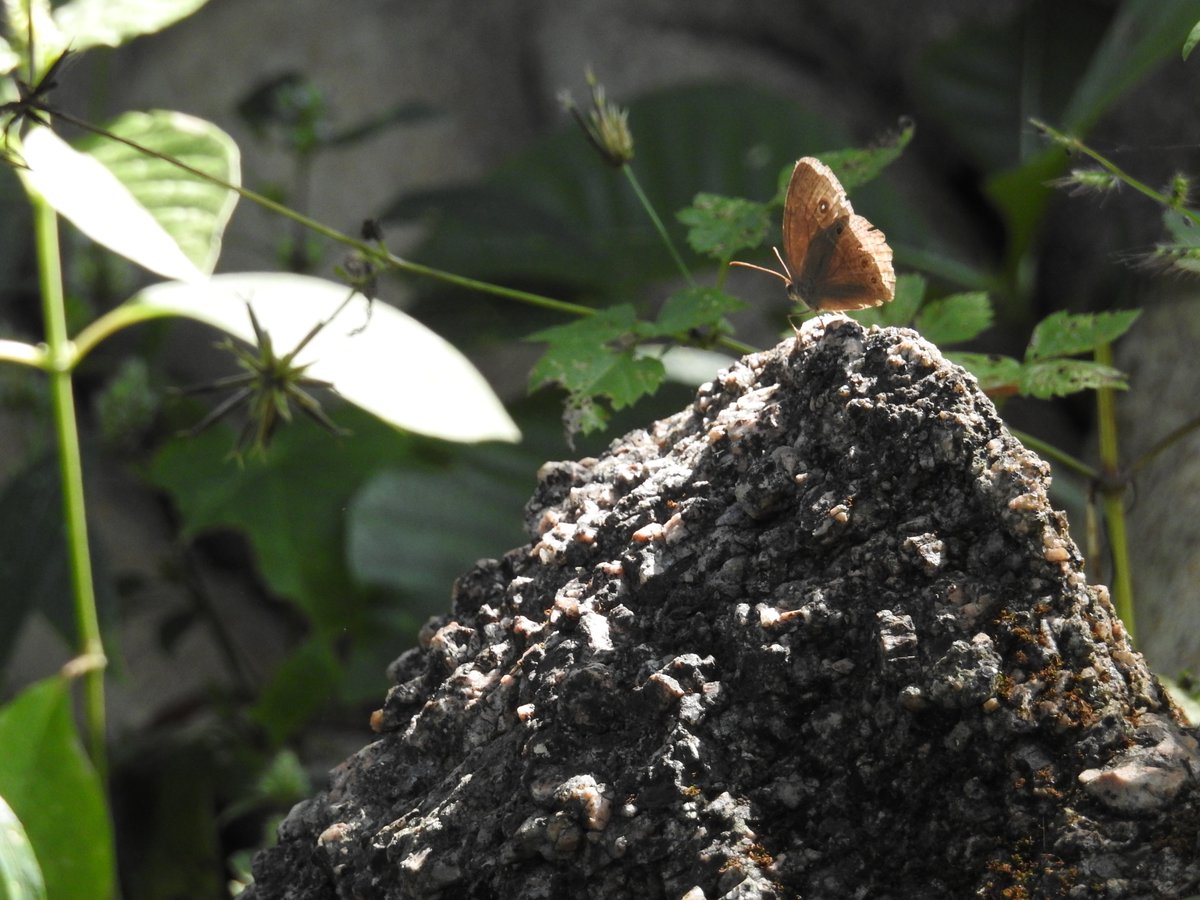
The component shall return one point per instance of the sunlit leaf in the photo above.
(376, 357)
(193, 211)
(1060, 377)
(954, 319)
(79, 188)
(721, 226)
(1066, 334)
(993, 371)
(20, 874)
(111, 23)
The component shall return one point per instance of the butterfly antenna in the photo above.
(782, 277)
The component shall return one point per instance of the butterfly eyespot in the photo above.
(823, 207)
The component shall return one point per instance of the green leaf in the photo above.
(192, 211)
(995, 373)
(418, 529)
(910, 291)
(694, 307)
(578, 354)
(721, 226)
(1142, 34)
(374, 355)
(856, 166)
(629, 378)
(78, 187)
(111, 23)
(52, 788)
(20, 875)
(290, 504)
(1060, 377)
(300, 688)
(954, 319)
(1065, 334)
(1193, 38)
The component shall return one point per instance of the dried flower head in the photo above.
(267, 387)
(606, 125)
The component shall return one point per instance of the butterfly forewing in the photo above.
(815, 200)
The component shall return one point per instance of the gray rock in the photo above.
(819, 635)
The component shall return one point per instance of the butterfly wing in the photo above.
(858, 270)
(815, 200)
(838, 259)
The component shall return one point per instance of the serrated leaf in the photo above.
(954, 319)
(79, 188)
(20, 874)
(994, 372)
(51, 786)
(721, 226)
(192, 211)
(857, 166)
(578, 352)
(372, 355)
(111, 23)
(1060, 377)
(629, 378)
(1066, 334)
(693, 307)
(910, 291)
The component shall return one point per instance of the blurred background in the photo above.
(251, 610)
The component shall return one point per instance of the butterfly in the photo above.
(835, 259)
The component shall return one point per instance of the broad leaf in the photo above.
(418, 529)
(111, 23)
(53, 789)
(20, 874)
(78, 187)
(193, 211)
(376, 357)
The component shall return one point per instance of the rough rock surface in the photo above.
(819, 635)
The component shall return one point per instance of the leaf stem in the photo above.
(1112, 487)
(1061, 456)
(658, 224)
(1078, 146)
(59, 360)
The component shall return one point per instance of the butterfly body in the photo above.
(833, 259)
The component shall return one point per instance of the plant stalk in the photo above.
(1112, 488)
(60, 359)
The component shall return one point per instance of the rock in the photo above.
(819, 635)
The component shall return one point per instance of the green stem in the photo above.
(60, 358)
(1112, 488)
(662, 231)
(116, 320)
(1076, 145)
(1054, 453)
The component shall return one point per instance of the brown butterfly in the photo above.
(835, 258)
